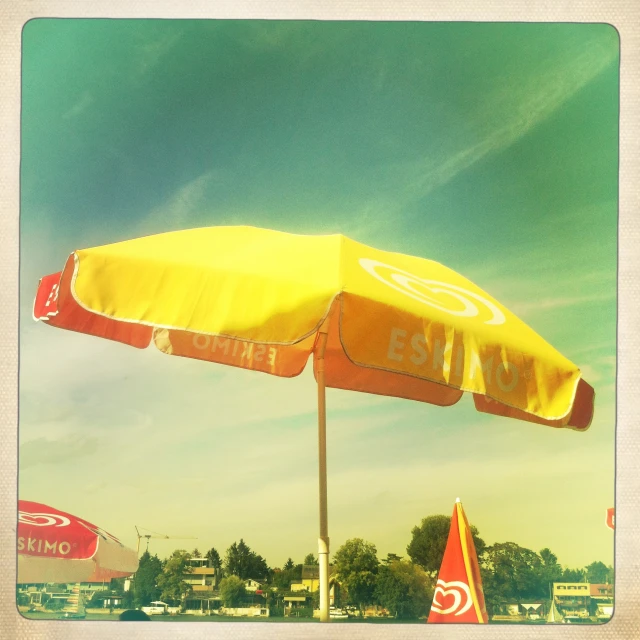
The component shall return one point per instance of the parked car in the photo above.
(156, 608)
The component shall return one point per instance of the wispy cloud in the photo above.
(528, 307)
(83, 103)
(501, 118)
(601, 369)
(187, 200)
(505, 115)
(151, 53)
(55, 452)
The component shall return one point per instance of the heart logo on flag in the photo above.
(459, 591)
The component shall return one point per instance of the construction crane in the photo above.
(154, 534)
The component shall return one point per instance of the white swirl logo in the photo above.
(43, 519)
(420, 289)
(461, 597)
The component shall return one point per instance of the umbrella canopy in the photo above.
(375, 321)
(254, 298)
(55, 546)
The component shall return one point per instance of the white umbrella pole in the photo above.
(323, 540)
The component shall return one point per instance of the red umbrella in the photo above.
(55, 546)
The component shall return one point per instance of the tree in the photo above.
(404, 589)
(127, 600)
(214, 558)
(241, 561)
(170, 581)
(145, 588)
(310, 559)
(232, 591)
(551, 571)
(117, 585)
(290, 573)
(196, 554)
(391, 557)
(428, 542)
(610, 575)
(597, 573)
(356, 566)
(511, 572)
(22, 598)
(96, 598)
(573, 575)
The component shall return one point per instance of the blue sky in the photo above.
(492, 148)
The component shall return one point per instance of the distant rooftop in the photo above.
(312, 571)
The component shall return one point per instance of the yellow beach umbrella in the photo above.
(375, 321)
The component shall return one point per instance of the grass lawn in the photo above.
(42, 615)
(46, 615)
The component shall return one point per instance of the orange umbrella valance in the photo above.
(396, 325)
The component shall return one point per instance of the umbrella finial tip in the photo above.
(457, 499)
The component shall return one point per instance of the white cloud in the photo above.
(65, 450)
(506, 114)
(151, 52)
(189, 199)
(502, 116)
(80, 106)
(528, 307)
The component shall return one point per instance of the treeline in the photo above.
(402, 584)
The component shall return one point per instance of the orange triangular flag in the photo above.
(458, 597)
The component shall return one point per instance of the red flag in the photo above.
(458, 597)
(46, 302)
(611, 518)
(56, 305)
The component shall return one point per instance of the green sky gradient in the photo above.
(492, 148)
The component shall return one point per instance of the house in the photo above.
(203, 576)
(532, 610)
(252, 585)
(572, 598)
(202, 605)
(311, 581)
(108, 600)
(88, 588)
(600, 591)
(508, 611)
(291, 603)
(247, 612)
(601, 605)
(311, 576)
